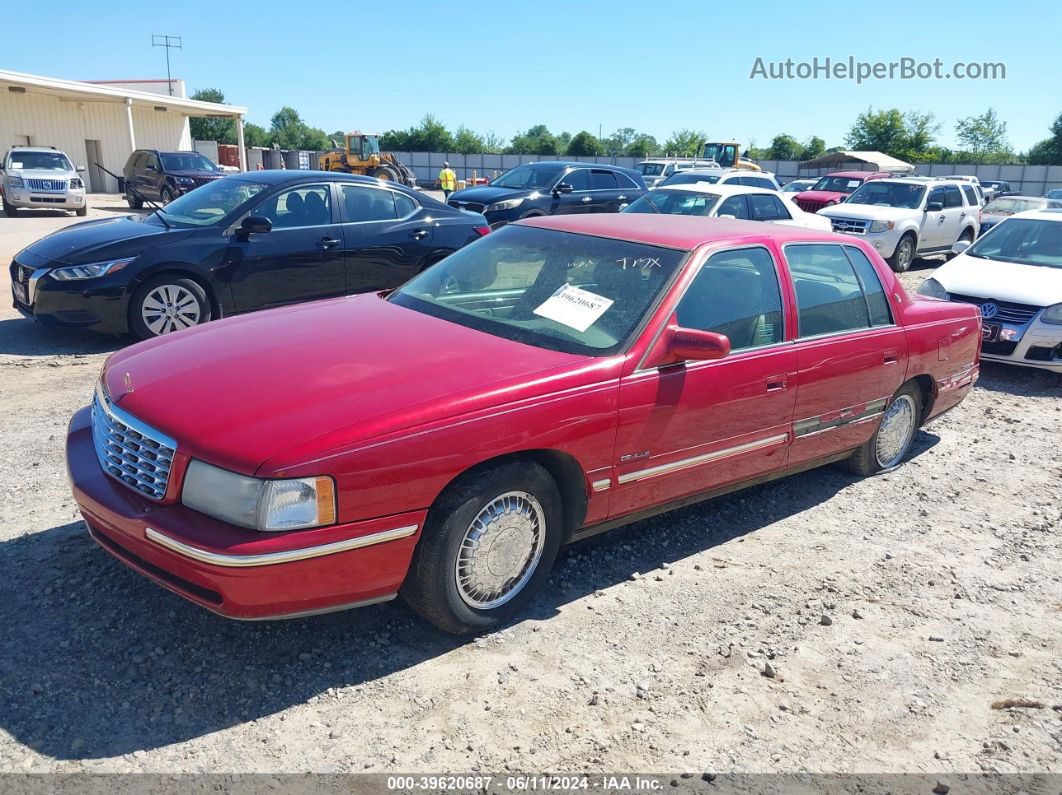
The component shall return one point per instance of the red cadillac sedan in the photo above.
(557, 378)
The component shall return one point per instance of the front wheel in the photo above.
(10, 210)
(166, 304)
(134, 202)
(904, 254)
(166, 195)
(487, 546)
(386, 173)
(892, 440)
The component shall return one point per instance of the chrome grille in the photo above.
(1009, 312)
(47, 185)
(203, 180)
(810, 206)
(470, 206)
(129, 450)
(850, 226)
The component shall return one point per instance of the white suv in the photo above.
(40, 177)
(905, 217)
(656, 169)
(723, 176)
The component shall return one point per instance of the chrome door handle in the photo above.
(328, 242)
(622, 198)
(587, 199)
(418, 234)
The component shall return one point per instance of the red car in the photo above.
(557, 378)
(834, 188)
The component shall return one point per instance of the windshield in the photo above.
(1011, 205)
(556, 290)
(889, 194)
(45, 161)
(691, 179)
(1054, 194)
(797, 186)
(528, 176)
(1028, 241)
(674, 202)
(190, 161)
(651, 169)
(210, 203)
(838, 184)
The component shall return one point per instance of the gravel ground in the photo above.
(819, 623)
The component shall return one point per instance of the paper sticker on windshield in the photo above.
(574, 307)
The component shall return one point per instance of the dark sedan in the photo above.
(241, 243)
(552, 187)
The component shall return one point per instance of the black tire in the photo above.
(134, 202)
(902, 257)
(867, 459)
(10, 210)
(166, 195)
(431, 585)
(137, 323)
(386, 172)
(968, 236)
(81, 211)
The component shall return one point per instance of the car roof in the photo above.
(21, 148)
(279, 176)
(1044, 214)
(581, 164)
(685, 232)
(722, 190)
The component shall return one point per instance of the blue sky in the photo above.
(505, 66)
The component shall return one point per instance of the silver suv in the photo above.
(40, 177)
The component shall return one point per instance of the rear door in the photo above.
(386, 236)
(605, 191)
(735, 206)
(955, 211)
(300, 259)
(851, 355)
(695, 426)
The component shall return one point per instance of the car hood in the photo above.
(867, 212)
(94, 241)
(485, 194)
(240, 391)
(1038, 285)
(821, 195)
(42, 173)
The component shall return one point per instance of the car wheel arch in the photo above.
(563, 467)
(928, 387)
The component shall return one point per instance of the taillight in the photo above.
(482, 230)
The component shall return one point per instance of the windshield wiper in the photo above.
(154, 207)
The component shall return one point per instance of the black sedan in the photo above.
(552, 187)
(241, 243)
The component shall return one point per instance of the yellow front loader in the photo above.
(361, 155)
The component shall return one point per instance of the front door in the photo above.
(695, 426)
(386, 237)
(850, 353)
(577, 202)
(300, 259)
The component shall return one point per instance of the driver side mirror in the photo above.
(562, 187)
(960, 246)
(696, 345)
(934, 207)
(80, 168)
(253, 225)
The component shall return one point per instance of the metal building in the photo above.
(100, 122)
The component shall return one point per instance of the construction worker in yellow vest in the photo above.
(447, 180)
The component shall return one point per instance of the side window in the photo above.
(765, 207)
(306, 205)
(368, 204)
(735, 206)
(952, 197)
(578, 179)
(152, 159)
(736, 294)
(760, 182)
(971, 195)
(781, 211)
(935, 195)
(625, 181)
(404, 205)
(877, 303)
(603, 180)
(829, 296)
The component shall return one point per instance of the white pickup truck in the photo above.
(907, 217)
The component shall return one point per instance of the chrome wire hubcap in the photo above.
(169, 307)
(500, 550)
(896, 431)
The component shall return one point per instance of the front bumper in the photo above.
(24, 198)
(95, 304)
(235, 572)
(1040, 346)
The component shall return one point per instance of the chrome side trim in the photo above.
(273, 558)
(602, 485)
(850, 415)
(31, 285)
(715, 455)
(320, 610)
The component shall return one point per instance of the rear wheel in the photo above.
(134, 202)
(904, 254)
(166, 304)
(487, 547)
(892, 440)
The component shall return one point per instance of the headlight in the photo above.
(1053, 314)
(267, 505)
(76, 183)
(882, 226)
(15, 182)
(508, 204)
(90, 271)
(933, 289)
(184, 180)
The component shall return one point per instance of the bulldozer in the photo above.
(361, 155)
(727, 154)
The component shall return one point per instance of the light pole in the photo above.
(169, 42)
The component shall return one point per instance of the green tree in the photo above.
(537, 140)
(493, 144)
(907, 136)
(641, 145)
(286, 128)
(1049, 150)
(221, 130)
(467, 142)
(685, 143)
(584, 144)
(617, 143)
(430, 135)
(983, 136)
(784, 147)
(255, 134)
(815, 147)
